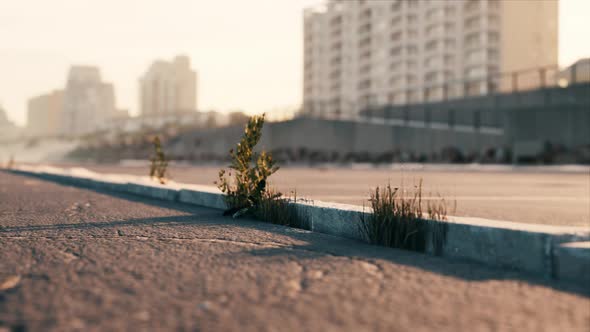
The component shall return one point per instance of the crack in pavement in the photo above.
(266, 244)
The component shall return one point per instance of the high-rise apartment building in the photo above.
(360, 54)
(168, 88)
(44, 114)
(88, 102)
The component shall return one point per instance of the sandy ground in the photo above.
(529, 195)
(79, 260)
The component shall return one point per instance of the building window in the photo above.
(365, 69)
(411, 79)
(337, 46)
(365, 28)
(431, 45)
(472, 40)
(365, 41)
(431, 77)
(472, 23)
(365, 84)
(449, 11)
(493, 55)
(336, 20)
(493, 37)
(366, 14)
(494, 4)
(471, 5)
(493, 19)
(335, 74)
(449, 60)
(433, 13)
(365, 55)
(395, 98)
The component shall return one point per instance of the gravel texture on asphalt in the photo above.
(79, 260)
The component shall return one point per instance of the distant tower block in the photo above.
(168, 88)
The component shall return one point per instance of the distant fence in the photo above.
(468, 87)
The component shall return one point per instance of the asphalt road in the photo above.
(78, 260)
(521, 195)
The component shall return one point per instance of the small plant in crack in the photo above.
(159, 163)
(245, 184)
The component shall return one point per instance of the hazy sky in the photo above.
(248, 53)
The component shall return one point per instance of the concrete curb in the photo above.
(538, 249)
(572, 261)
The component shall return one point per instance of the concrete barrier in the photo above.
(331, 218)
(551, 251)
(202, 196)
(572, 261)
(514, 249)
(152, 191)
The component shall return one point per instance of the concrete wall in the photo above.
(341, 137)
(555, 115)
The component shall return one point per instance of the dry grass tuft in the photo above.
(398, 221)
(279, 210)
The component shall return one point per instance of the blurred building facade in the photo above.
(8, 130)
(88, 102)
(578, 72)
(44, 114)
(360, 54)
(168, 88)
